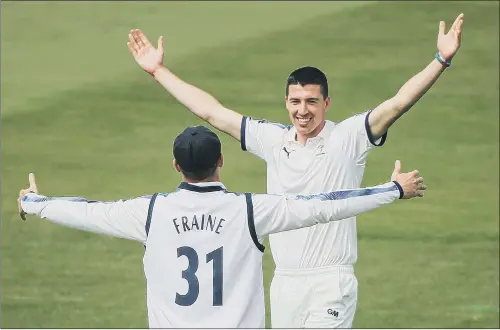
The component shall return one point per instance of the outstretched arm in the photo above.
(123, 218)
(383, 116)
(200, 103)
(274, 213)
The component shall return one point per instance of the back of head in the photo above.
(308, 75)
(197, 151)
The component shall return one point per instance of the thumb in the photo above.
(397, 167)
(160, 44)
(397, 170)
(32, 181)
(441, 28)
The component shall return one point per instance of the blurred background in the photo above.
(79, 112)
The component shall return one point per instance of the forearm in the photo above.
(78, 213)
(200, 103)
(275, 214)
(197, 101)
(418, 85)
(350, 203)
(68, 213)
(339, 205)
(384, 115)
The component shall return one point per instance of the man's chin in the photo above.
(305, 130)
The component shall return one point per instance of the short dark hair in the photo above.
(201, 174)
(308, 75)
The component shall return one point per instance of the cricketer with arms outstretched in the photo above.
(314, 283)
(203, 244)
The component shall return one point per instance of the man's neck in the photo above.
(302, 138)
(214, 178)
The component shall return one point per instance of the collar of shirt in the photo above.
(323, 134)
(203, 186)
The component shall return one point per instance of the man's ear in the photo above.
(176, 166)
(328, 102)
(220, 162)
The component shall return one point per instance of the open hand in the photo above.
(145, 54)
(449, 43)
(33, 188)
(411, 182)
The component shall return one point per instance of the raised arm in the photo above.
(383, 116)
(200, 103)
(123, 218)
(274, 213)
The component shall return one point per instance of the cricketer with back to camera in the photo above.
(314, 265)
(203, 244)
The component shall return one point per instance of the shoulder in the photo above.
(268, 125)
(156, 197)
(262, 131)
(354, 122)
(354, 118)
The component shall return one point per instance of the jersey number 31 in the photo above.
(189, 274)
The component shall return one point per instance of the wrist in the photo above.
(156, 70)
(446, 62)
(400, 189)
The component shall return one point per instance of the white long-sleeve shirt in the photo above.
(333, 160)
(203, 257)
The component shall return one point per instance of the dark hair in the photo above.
(201, 174)
(308, 75)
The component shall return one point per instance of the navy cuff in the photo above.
(371, 138)
(242, 133)
(401, 191)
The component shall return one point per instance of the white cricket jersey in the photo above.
(333, 160)
(203, 244)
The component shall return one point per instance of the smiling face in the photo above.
(307, 101)
(307, 107)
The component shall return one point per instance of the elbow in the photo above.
(211, 112)
(210, 119)
(326, 216)
(202, 112)
(206, 117)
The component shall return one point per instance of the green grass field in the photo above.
(78, 112)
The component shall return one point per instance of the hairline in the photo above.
(303, 85)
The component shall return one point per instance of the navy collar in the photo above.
(202, 186)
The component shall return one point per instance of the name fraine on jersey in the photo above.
(203, 222)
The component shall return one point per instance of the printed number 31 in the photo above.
(189, 274)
